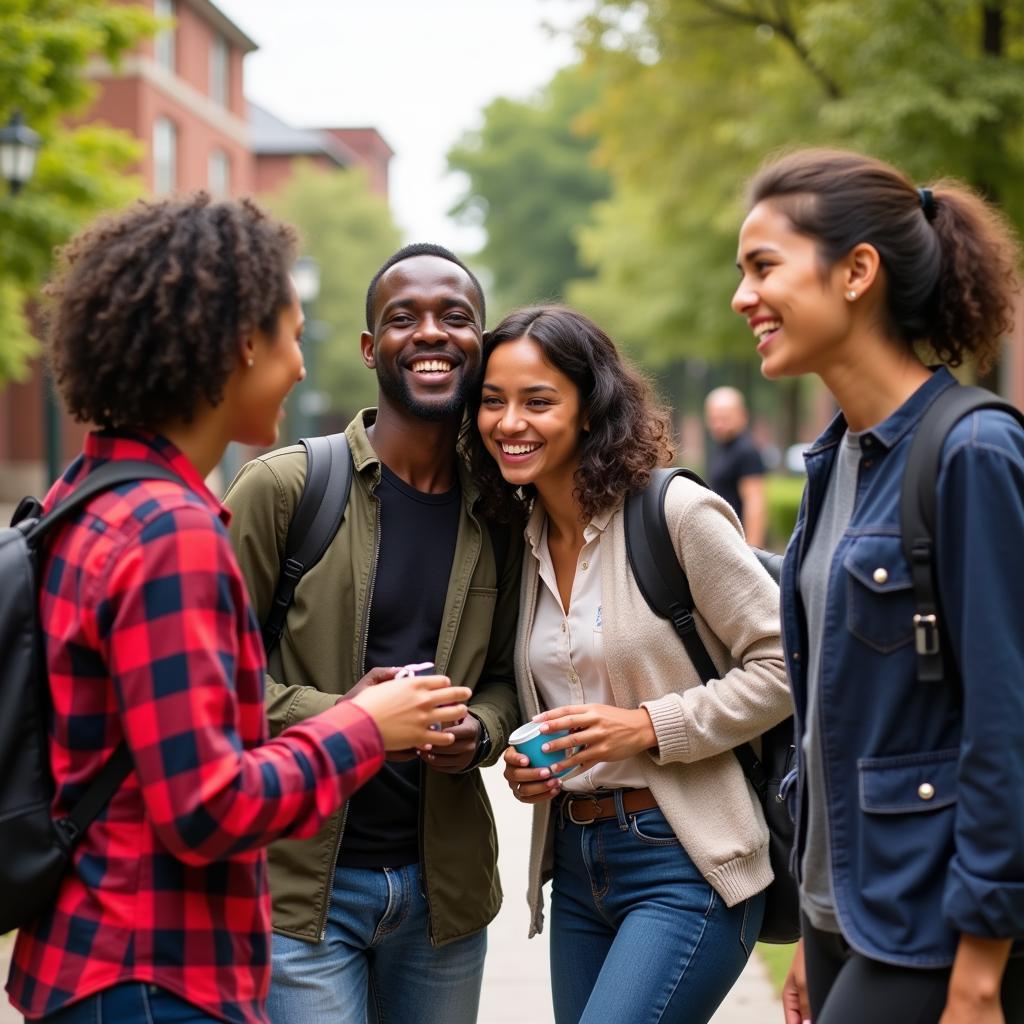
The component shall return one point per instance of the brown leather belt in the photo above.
(585, 810)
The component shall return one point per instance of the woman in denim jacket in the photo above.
(910, 835)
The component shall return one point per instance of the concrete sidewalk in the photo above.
(516, 979)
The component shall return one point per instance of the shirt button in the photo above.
(796, 655)
(585, 566)
(563, 627)
(868, 463)
(926, 791)
(573, 678)
(880, 575)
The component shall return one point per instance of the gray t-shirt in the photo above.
(816, 891)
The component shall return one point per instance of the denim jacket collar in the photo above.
(892, 429)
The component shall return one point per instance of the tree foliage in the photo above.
(45, 48)
(698, 92)
(349, 231)
(531, 185)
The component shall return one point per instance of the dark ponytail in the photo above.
(950, 258)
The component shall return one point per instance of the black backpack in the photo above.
(665, 588)
(35, 848)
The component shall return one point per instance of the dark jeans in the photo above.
(846, 988)
(134, 1002)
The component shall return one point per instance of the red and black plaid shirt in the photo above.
(150, 638)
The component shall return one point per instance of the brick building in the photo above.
(182, 94)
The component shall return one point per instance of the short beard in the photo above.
(395, 387)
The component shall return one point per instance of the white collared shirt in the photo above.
(566, 650)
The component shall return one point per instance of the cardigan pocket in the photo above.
(879, 593)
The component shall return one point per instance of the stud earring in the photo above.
(250, 362)
(851, 295)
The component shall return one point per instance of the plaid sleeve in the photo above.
(186, 663)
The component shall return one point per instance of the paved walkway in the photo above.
(516, 981)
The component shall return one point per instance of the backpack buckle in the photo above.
(926, 634)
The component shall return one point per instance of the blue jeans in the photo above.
(134, 1002)
(637, 934)
(376, 963)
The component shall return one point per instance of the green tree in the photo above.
(349, 231)
(45, 46)
(698, 92)
(531, 185)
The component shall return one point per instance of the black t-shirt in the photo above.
(417, 545)
(729, 463)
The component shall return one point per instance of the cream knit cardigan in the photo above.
(693, 775)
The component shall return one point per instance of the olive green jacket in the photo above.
(320, 656)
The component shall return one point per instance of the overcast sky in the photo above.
(420, 71)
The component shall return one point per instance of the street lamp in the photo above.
(18, 148)
(308, 401)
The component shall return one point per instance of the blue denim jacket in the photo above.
(924, 782)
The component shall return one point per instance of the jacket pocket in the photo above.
(908, 783)
(879, 593)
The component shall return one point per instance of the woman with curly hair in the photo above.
(176, 329)
(910, 824)
(655, 841)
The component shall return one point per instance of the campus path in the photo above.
(516, 975)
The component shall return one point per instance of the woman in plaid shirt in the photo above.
(177, 329)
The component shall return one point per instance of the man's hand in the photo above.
(372, 678)
(794, 990)
(457, 756)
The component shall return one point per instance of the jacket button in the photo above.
(926, 791)
(880, 575)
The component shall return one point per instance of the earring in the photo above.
(851, 295)
(250, 362)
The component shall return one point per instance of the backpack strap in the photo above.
(318, 514)
(917, 512)
(118, 766)
(663, 583)
(110, 474)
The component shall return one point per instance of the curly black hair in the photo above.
(149, 304)
(628, 435)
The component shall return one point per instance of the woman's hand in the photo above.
(602, 732)
(975, 982)
(795, 1005)
(529, 785)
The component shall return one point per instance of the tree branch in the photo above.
(782, 23)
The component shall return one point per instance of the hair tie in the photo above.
(927, 203)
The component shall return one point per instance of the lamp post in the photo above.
(18, 148)
(308, 400)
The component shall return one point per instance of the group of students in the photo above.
(484, 534)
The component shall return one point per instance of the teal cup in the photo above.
(528, 738)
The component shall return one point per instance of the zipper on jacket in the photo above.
(362, 662)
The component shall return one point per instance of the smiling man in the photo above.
(383, 915)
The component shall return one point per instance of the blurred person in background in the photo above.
(735, 468)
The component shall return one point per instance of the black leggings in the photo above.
(846, 988)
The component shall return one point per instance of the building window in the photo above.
(218, 175)
(165, 156)
(164, 44)
(219, 70)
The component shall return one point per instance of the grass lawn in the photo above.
(777, 959)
